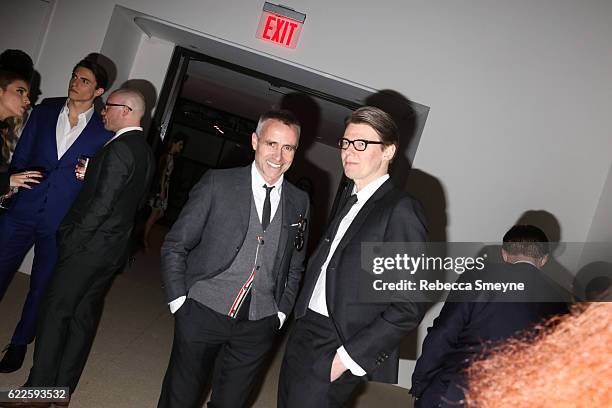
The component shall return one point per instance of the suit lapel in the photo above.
(363, 214)
(289, 211)
(355, 226)
(51, 141)
(243, 189)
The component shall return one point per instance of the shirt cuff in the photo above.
(349, 362)
(282, 317)
(177, 303)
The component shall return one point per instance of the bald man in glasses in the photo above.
(93, 242)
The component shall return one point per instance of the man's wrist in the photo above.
(349, 363)
(281, 317)
(177, 303)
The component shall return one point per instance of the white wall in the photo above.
(598, 245)
(24, 23)
(601, 228)
(121, 43)
(151, 61)
(520, 92)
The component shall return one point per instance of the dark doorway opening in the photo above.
(214, 105)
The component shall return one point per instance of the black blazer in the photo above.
(99, 223)
(370, 332)
(463, 329)
(211, 229)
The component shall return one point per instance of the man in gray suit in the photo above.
(231, 266)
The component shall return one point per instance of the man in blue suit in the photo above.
(55, 137)
(472, 322)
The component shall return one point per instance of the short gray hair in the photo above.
(281, 115)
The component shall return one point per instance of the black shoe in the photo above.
(13, 358)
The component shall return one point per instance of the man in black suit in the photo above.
(473, 320)
(337, 342)
(93, 242)
(232, 265)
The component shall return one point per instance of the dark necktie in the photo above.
(335, 223)
(267, 208)
(303, 300)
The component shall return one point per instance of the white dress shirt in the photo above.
(122, 131)
(65, 135)
(259, 196)
(318, 301)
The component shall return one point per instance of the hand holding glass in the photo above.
(81, 167)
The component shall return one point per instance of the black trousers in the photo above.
(69, 318)
(200, 334)
(304, 377)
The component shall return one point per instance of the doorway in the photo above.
(233, 83)
(213, 105)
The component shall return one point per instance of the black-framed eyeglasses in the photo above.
(107, 104)
(298, 242)
(359, 144)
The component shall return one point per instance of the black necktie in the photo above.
(324, 248)
(333, 226)
(267, 208)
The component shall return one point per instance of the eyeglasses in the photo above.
(359, 144)
(107, 104)
(298, 242)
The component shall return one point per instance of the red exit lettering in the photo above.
(279, 30)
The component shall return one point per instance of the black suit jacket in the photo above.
(463, 329)
(370, 332)
(99, 223)
(211, 229)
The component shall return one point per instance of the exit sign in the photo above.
(280, 25)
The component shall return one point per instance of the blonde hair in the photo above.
(569, 364)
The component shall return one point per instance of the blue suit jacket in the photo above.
(47, 203)
(470, 323)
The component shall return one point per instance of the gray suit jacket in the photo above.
(212, 227)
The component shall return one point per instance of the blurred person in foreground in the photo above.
(568, 365)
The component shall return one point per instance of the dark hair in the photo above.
(17, 61)
(378, 120)
(178, 137)
(281, 115)
(527, 240)
(97, 69)
(8, 77)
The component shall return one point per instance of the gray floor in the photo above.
(132, 347)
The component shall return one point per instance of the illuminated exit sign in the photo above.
(280, 25)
